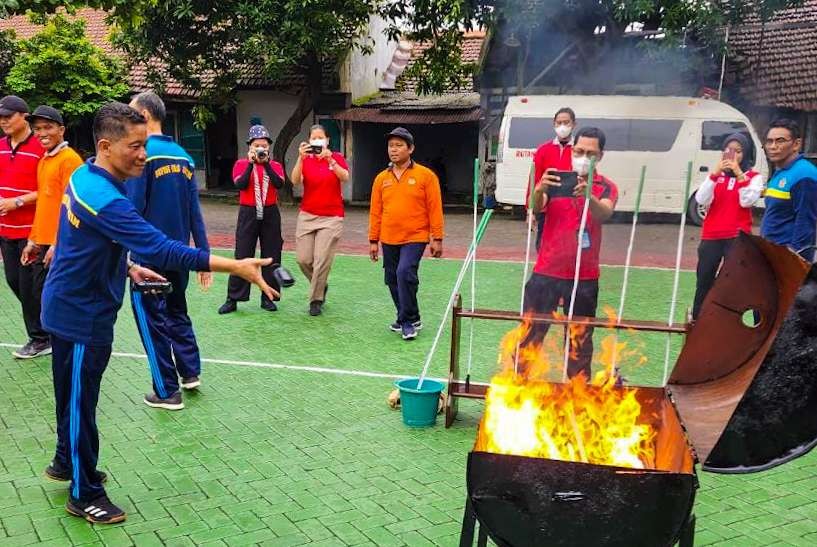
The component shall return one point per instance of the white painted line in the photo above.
(278, 366)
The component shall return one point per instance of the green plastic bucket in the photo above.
(419, 406)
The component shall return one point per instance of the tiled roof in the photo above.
(98, 33)
(471, 50)
(777, 65)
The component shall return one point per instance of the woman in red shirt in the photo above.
(320, 221)
(729, 192)
(258, 179)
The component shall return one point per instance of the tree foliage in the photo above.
(60, 67)
(8, 51)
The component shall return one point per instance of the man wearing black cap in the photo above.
(20, 153)
(406, 214)
(53, 174)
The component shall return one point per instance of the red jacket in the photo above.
(246, 196)
(18, 176)
(726, 216)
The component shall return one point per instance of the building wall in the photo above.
(361, 74)
(451, 146)
(274, 109)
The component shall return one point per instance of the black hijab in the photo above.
(748, 147)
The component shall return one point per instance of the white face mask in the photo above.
(581, 164)
(563, 131)
(318, 142)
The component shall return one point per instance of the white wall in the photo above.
(365, 72)
(274, 109)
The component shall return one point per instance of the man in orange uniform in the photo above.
(53, 173)
(406, 214)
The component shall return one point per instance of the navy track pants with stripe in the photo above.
(167, 334)
(77, 371)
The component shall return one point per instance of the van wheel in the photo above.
(696, 213)
(519, 212)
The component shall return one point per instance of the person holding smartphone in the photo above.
(553, 274)
(320, 220)
(729, 191)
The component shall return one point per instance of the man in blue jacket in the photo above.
(791, 195)
(168, 197)
(84, 290)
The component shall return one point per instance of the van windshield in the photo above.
(622, 135)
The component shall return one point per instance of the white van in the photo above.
(663, 133)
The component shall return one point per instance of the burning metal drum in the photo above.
(741, 398)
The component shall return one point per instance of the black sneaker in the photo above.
(34, 348)
(228, 307)
(315, 308)
(59, 474)
(99, 511)
(395, 327)
(408, 332)
(269, 306)
(190, 383)
(174, 402)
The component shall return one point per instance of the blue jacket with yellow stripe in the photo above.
(791, 207)
(86, 281)
(167, 193)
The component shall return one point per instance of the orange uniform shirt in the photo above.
(53, 173)
(408, 209)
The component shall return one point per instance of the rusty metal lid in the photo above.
(731, 377)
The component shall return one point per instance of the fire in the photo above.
(596, 422)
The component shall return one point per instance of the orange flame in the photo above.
(596, 422)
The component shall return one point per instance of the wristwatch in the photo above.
(19, 203)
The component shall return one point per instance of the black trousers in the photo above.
(711, 253)
(248, 232)
(543, 294)
(26, 282)
(77, 370)
(401, 264)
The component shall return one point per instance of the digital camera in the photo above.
(261, 153)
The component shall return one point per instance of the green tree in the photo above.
(8, 51)
(211, 46)
(440, 23)
(60, 67)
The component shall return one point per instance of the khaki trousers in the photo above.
(315, 240)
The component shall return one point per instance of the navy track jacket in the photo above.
(167, 194)
(86, 282)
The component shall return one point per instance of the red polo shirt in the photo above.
(247, 195)
(322, 188)
(18, 176)
(560, 235)
(551, 154)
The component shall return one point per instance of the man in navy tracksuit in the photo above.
(791, 196)
(84, 290)
(168, 196)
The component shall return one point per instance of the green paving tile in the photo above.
(286, 457)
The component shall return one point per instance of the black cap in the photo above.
(11, 104)
(401, 133)
(45, 112)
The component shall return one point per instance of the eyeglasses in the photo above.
(780, 141)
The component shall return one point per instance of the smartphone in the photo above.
(154, 287)
(314, 149)
(728, 154)
(568, 181)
